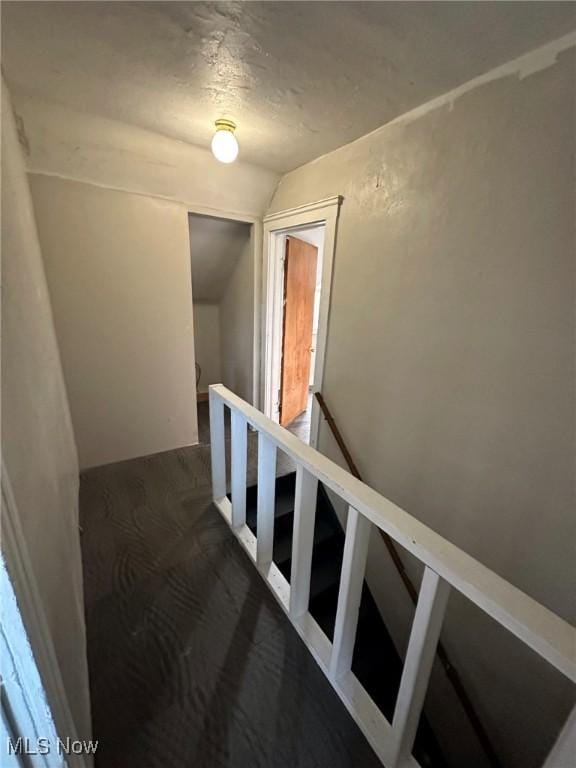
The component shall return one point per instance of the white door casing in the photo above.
(276, 227)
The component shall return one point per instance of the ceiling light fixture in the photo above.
(224, 144)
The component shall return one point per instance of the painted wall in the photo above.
(37, 441)
(450, 361)
(215, 247)
(237, 325)
(112, 204)
(207, 343)
(74, 145)
(118, 269)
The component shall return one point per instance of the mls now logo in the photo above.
(70, 746)
(43, 746)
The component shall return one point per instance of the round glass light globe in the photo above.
(224, 146)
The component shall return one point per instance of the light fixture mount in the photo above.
(224, 143)
(225, 125)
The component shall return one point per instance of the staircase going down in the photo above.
(376, 662)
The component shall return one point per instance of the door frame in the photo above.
(255, 223)
(276, 227)
(31, 650)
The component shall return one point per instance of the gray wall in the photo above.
(113, 225)
(207, 343)
(118, 269)
(450, 360)
(237, 325)
(222, 258)
(37, 441)
(83, 146)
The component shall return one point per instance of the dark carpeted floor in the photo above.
(192, 662)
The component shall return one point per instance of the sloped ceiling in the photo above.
(215, 247)
(299, 78)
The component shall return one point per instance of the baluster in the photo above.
(302, 541)
(239, 457)
(564, 749)
(350, 592)
(266, 498)
(426, 627)
(217, 447)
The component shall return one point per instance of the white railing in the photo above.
(446, 568)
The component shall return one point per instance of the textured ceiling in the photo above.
(299, 78)
(215, 247)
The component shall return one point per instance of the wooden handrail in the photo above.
(451, 672)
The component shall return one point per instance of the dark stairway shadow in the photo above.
(376, 662)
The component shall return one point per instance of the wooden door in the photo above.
(299, 287)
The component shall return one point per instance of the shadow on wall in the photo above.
(221, 254)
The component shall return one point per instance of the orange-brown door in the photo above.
(299, 287)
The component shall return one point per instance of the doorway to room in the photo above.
(298, 256)
(221, 257)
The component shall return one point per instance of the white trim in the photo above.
(256, 234)
(358, 530)
(276, 226)
(320, 205)
(539, 628)
(426, 627)
(273, 315)
(562, 753)
(446, 565)
(239, 448)
(18, 561)
(302, 542)
(363, 710)
(7, 732)
(191, 207)
(361, 707)
(25, 710)
(265, 504)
